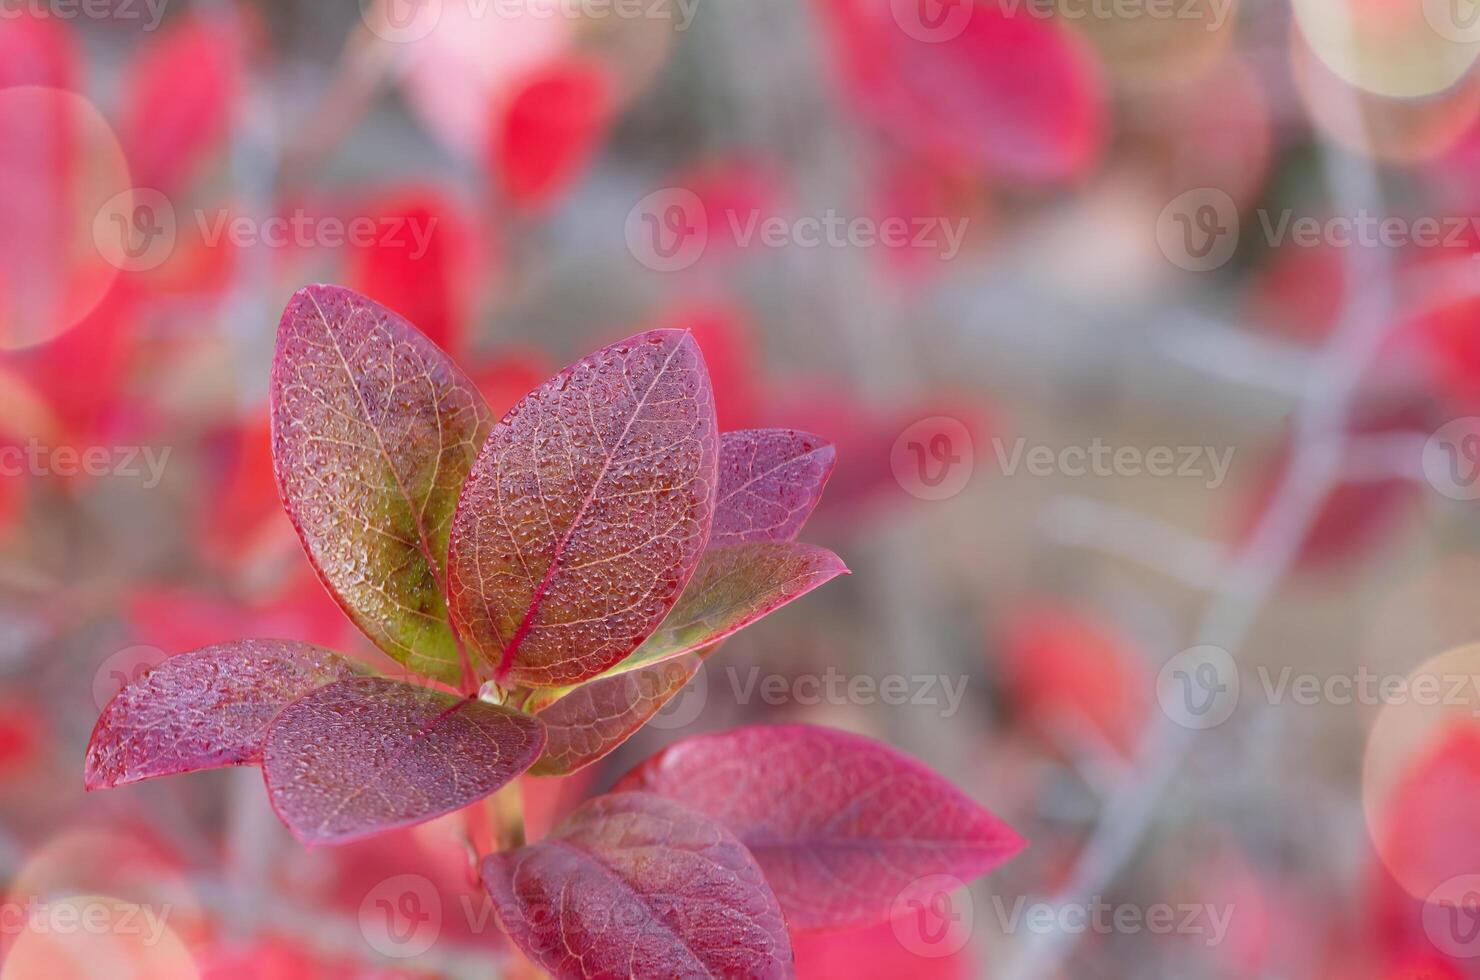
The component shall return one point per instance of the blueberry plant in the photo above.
(548, 582)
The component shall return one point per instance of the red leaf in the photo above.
(1011, 94)
(840, 824)
(371, 754)
(178, 98)
(769, 482)
(586, 512)
(1067, 668)
(38, 50)
(734, 587)
(727, 340)
(374, 430)
(636, 886)
(548, 133)
(595, 718)
(423, 266)
(204, 709)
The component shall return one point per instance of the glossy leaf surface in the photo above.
(204, 709)
(840, 824)
(633, 885)
(586, 512)
(369, 755)
(374, 430)
(769, 482)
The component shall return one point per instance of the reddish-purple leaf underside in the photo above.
(841, 825)
(374, 430)
(204, 709)
(769, 482)
(735, 586)
(371, 754)
(633, 885)
(586, 512)
(600, 715)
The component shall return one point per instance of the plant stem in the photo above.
(508, 815)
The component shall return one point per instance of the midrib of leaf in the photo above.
(395, 756)
(506, 661)
(417, 514)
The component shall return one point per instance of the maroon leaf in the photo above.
(586, 512)
(374, 430)
(840, 824)
(633, 885)
(769, 482)
(734, 587)
(595, 718)
(204, 709)
(371, 754)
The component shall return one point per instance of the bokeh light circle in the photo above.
(1435, 708)
(1386, 48)
(62, 163)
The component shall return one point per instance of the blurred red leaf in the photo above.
(840, 824)
(360, 757)
(1064, 667)
(874, 953)
(727, 340)
(548, 133)
(178, 99)
(424, 263)
(689, 898)
(1011, 94)
(37, 50)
